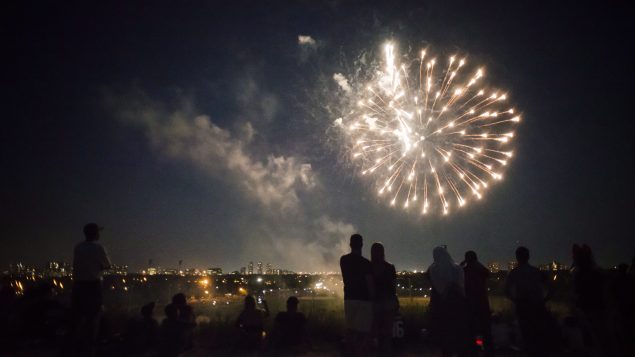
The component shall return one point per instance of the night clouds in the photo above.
(273, 181)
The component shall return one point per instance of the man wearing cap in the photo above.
(89, 262)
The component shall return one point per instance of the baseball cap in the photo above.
(92, 228)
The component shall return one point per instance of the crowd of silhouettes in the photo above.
(461, 321)
(601, 320)
(145, 336)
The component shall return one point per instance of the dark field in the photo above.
(216, 311)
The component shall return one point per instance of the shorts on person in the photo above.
(358, 315)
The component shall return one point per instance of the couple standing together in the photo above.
(370, 297)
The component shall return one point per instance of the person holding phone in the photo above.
(251, 324)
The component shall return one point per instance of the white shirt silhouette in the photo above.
(89, 260)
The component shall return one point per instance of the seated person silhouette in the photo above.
(187, 318)
(185, 311)
(141, 335)
(289, 326)
(251, 324)
(172, 332)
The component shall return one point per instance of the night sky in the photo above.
(202, 131)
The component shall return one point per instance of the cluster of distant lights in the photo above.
(432, 139)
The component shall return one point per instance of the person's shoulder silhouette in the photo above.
(141, 333)
(291, 318)
(172, 339)
(355, 270)
(171, 316)
(290, 324)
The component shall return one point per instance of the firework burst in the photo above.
(431, 138)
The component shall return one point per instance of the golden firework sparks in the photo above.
(432, 139)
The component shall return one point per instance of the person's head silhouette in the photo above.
(250, 303)
(147, 310)
(179, 300)
(356, 243)
(292, 304)
(441, 255)
(583, 257)
(470, 257)
(91, 232)
(522, 255)
(377, 253)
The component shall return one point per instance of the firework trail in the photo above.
(432, 138)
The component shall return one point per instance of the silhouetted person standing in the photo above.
(358, 290)
(290, 327)
(447, 304)
(624, 296)
(526, 287)
(89, 261)
(385, 303)
(590, 287)
(479, 315)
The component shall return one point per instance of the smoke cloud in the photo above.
(284, 227)
(306, 40)
(342, 82)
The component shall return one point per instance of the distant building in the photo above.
(152, 271)
(250, 268)
(494, 267)
(269, 269)
(554, 266)
(192, 272)
(117, 270)
(214, 271)
(277, 271)
(17, 268)
(260, 268)
(243, 270)
(557, 266)
(511, 265)
(57, 269)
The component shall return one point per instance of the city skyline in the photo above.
(54, 268)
